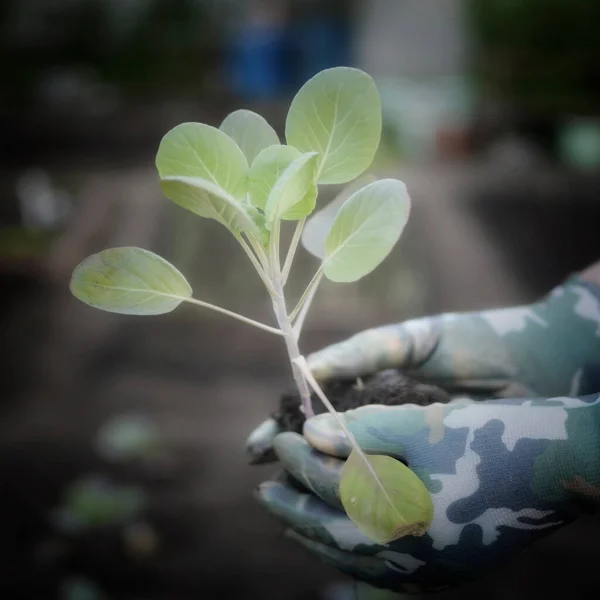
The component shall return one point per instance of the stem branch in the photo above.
(260, 268)
(231, 314)
(287, 265)
(290, 341)
(260, 252)
(274, 250)
(314, 282)
(299, 322)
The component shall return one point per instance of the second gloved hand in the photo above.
(502, 473)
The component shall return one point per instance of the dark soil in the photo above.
(389, 387)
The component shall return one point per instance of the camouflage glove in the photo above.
(547, 349)
(502, 473)
(550, 348)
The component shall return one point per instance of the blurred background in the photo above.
(122, 463)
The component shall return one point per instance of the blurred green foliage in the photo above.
(96, 501)
(140, 45)
(542, 55)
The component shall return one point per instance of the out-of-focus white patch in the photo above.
(397, 561)
(511, 320)
(587, 306)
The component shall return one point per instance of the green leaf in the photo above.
(337, 113)
(396, 505)
(295, 193)
(250, 131)
(266, 169)
(207, 200)
(365, 230)
(130, 281)
(206, 153)
(318, 226)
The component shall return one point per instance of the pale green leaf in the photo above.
(130, 281)
(318, 226)
(266, 169)
(208, 200)
(295, 193)
(387, 501)
(204, 152)
(365, 230)
(250, 131)
(337, 113)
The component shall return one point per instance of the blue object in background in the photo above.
(271, 62)
(319, 43)
(259, 64)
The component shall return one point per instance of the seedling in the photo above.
(243, 177)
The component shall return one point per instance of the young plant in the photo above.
(244, 178)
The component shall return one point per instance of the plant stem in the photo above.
(293, 351)
(299, 322)
(260, 252)
(287, 265)
(274, 253)
(260, 269)
(280, 309)
(314, 282)
(303, 366)
(230, 314)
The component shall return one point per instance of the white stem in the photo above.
(314, 282)
(274, 250)
(256, 264)
(304, 368)
(230, 314)
(285, 323)
(289, 259)
(260, 252)
(299, 322)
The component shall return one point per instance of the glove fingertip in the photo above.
(325, 435)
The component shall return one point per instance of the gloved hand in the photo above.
(548, 349)
(502, 473)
